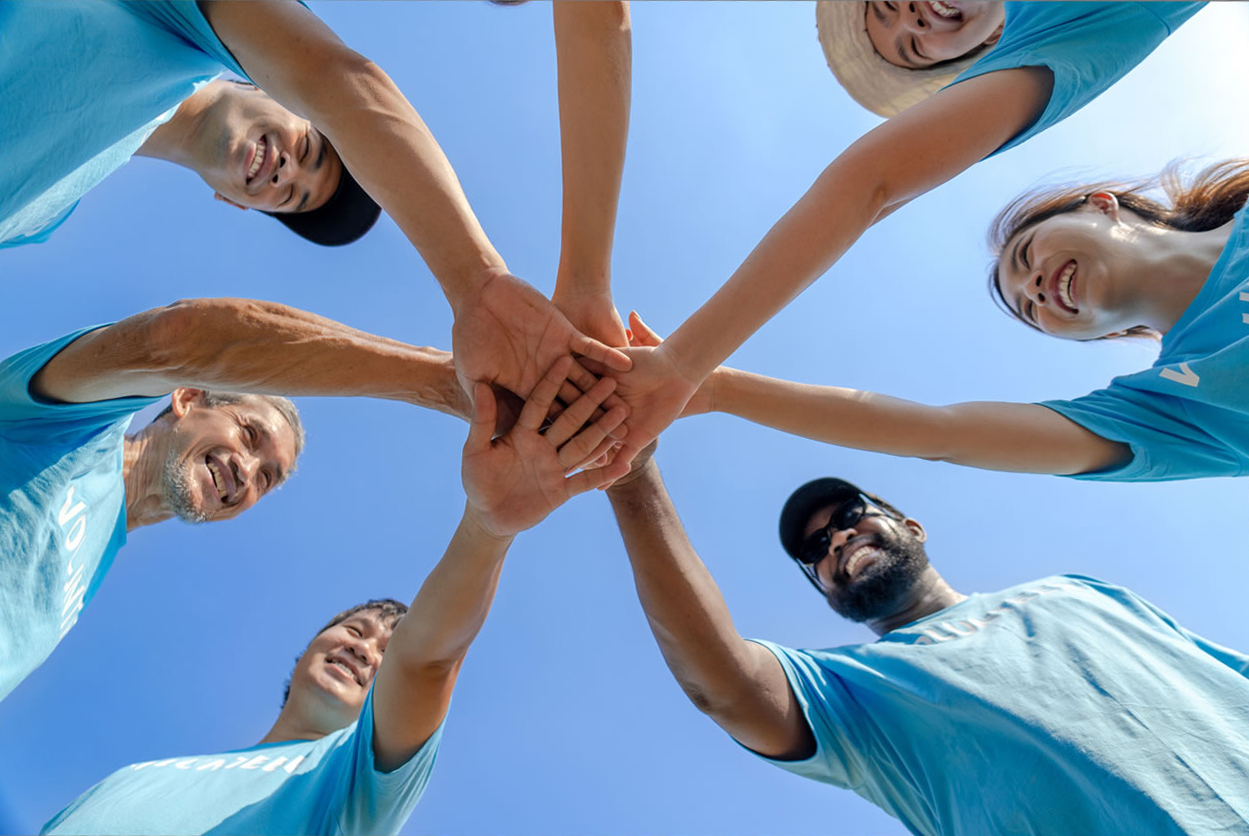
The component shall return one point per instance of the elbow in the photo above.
(180, 337)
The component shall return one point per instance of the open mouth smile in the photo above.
(944, 11)
(340, 663)
(261, 163)
(223, 479)
(853, 561)
(1063, 287)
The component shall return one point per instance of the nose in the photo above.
(912, 19)
(1032, 288)
(363, 649)
(286, 169)
(247, 472)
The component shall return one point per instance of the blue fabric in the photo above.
(1187, 416)
(1063, 706)
(62, 509)
(326, 786)
(82, 86)
(1087, 46)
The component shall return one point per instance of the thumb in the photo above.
(642, 333)
(481, 427)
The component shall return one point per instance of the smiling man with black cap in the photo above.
(1064, 705)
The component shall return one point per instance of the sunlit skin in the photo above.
(233, 455)
(332, 678)
(914, 35)
(226, 129)
(929, 595)
(1101, 269)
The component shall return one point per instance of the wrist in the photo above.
(467, 287)
(636, 480)
(476, 526)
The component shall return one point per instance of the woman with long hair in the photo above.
(960, 81)
(1091, 262)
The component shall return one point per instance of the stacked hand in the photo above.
(515, 481)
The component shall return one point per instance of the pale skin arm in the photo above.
(243, 345)
(593, 44)
(912, 153)
(505, 331)
(737, 683)
(512, 484)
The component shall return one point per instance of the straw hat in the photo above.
(883, 88)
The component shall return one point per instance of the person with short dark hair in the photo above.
(72, 483)
(1060, 706)
(354, 744)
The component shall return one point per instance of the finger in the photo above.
(612, 358)
(590, 479)
(540, 400)
(481, 426)
(597, 458)
(570, 422)
(588, 440)
(642, 333)
(628, 452)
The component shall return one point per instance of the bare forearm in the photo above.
(683, 605)
(594, 50)
(990, 435)
(243, 345)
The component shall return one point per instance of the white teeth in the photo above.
(942, 9)
(857, 558)
(1064, 285)
(217, 481)
(257, 160)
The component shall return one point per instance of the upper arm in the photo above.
(944, 135)
(1027, 438)
(761, 712)
(409, 704)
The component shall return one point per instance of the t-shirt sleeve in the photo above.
(25, 418)
(831, 713)
(1165, 442)
(380, 802)
(184, 18)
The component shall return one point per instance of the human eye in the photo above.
(354, 630)
(303, 154)
(1029, 312)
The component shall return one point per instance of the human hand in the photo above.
(509, 334)
(593, 314)
(655, 391)
(703, 400)
(515, 481)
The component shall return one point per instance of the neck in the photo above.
(176, 140)
(1179, 263)
(142, 463)
(932, 594)
(294, 724)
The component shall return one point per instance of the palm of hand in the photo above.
(510, 337)
(595, 315)
(516, 482)
(655, 392)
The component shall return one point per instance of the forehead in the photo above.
(370, 622)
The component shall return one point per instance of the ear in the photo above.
(224, 199)
(996, 36)
(183, 399)
(1106, 203)
(916, 529)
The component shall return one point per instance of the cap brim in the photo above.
(802, 503)
(344, 218)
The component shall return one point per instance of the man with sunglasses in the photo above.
(1064, 705)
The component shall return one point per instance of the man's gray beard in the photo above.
(882, 586)
(176, 480)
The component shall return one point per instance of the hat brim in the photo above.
(883, 88)
(802, 503)
(344, 218)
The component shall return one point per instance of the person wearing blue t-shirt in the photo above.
(1065, 705)
(960, 81)
(72, 483)
(1090, 261)
(354, 744)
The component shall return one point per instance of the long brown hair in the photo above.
(1205, 201)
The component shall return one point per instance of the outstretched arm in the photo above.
(912, 153)
(739, 684)
(512, 483)
(593, 43)
(244, 345)
(506, 332)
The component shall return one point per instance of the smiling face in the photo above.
(915, 35)
(332, 677)
(257, 154)
(220, 460)
(871, 567)
(1070, 275)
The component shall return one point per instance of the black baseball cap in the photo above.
(802, 503)
(344, 218)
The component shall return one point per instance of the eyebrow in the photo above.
(315, 167)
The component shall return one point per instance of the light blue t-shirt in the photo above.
(326, 786)
(1063, 706)
(62, 509)
(1187, 416)
(1087, 46)
(82, 86)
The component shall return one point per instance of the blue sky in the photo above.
(565, 719)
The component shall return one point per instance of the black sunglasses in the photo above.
(814, 547)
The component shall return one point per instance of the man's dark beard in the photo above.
(881, 588)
